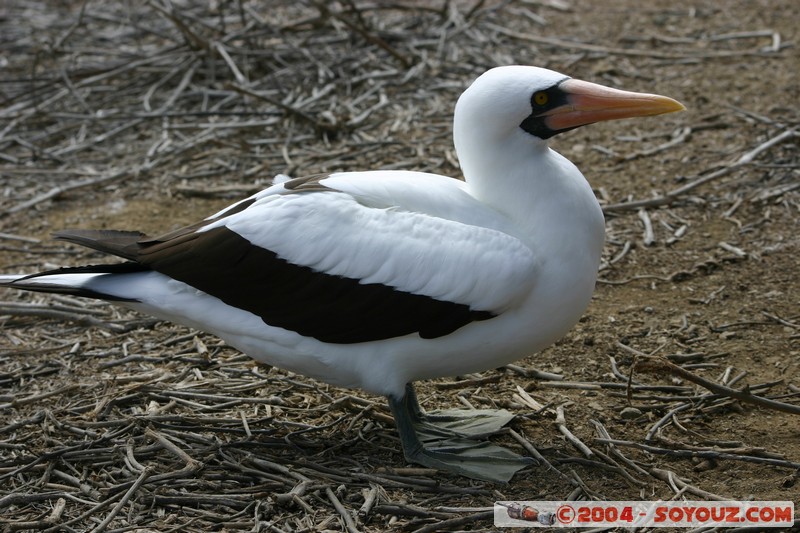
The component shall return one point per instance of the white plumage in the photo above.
(366, 233)
(413, 275)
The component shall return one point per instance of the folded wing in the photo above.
(325, 265)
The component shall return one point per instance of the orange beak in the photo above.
(589, 102)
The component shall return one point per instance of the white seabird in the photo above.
(378, 279)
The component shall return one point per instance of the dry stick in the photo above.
(690, 454)
(775, 192)
(19, 498)
(584, 488)
(370, 498)
(618, 468)
(191, 467)
(742, 35)
(50, 521)
(58, 510)
(780, 320)
(538, 456)
(240, 79)
(599, 385)
(405, 509)
(402, 482)
(561, 423)
(193, 40)
(534, 373)
(127, 496)
(34, 107)
(12, 237)
(678, 138)
(478, 5)
(348, 520)
(561, 43)
(659, 365)
(523, 398)
(133, 464)
(456, 522)
(674, 194)
(603, 432)
(294, 496)
(35, 419)
(75, 94)
(97, 139)
(462, 383)
(671, 414)
(77, 24)
(283, 470)
(618, 374)
(158, 85)
(58, 191)
(740, 449)
(16, 403)
(738, 252)
(185, 80)
(292, 110)
(649, 236)
(63, 303)
(140, 169)
(665, 419)
(42, 312)
(362, 31)
(669, 477)
(98, 507)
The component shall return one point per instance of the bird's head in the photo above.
(542, 103)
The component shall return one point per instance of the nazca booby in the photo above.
(381, 278)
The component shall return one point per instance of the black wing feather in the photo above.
(333, 309)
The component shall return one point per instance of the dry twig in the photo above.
(660, 365)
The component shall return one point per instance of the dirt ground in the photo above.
(128, 116)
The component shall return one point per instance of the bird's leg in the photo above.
(413, 403)
(437, 447)
(404, 418)
(424, 424)
(462, 422)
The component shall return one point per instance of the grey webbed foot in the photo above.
(446, 440)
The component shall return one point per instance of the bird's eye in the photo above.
(540, 98)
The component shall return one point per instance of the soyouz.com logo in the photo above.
(643, 514)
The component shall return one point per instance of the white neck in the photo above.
(541, 191)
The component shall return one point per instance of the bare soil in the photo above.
(148, 117)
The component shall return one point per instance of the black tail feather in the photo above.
(24, 282)
(123, 244)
